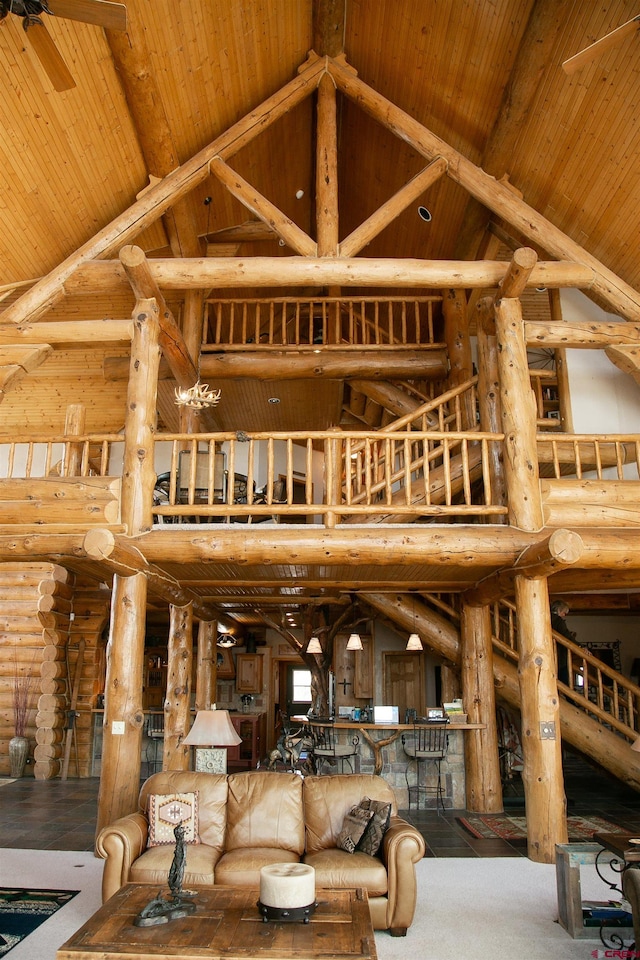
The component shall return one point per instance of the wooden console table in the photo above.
(569, 857)
(225, 926)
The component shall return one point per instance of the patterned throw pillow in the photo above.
(353, 826)
(166, 811)
(375, 830)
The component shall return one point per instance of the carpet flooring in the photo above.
(514, 829)
(484, 909)
(23, 910)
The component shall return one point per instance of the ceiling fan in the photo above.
(102, 13)
(600, 46)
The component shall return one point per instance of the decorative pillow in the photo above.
(371, 839)
(166, 811)
(353, 826)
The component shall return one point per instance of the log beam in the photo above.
(257, 204)
(136, 266)
(515, 280)
(71, 332)
(621, 297)
(96, 276)
(327, 210)
(331, 365)
(581, 334)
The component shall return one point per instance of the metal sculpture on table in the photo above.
(162, 909)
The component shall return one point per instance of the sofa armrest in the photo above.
(119, 844)
(403, 846)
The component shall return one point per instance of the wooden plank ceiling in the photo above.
(484, 76)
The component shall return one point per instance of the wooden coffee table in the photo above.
(225, 925)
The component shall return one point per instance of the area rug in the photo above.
(514, 829)
(21, 911)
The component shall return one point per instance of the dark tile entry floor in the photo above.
(61, 814)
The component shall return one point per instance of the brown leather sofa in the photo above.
(250, 820)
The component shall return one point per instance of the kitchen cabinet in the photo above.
(249, 673)
(246, 755)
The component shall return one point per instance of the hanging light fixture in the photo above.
(198, 396)
(354, 642)
(314, 646)
(414, 642)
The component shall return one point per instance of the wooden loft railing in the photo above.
(593, 454)
(597, 689)
(348, 323)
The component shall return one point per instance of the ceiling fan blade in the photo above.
(600, 46)
(102, 13)
(47, 53)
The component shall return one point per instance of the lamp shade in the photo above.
(354, 642)
(314, 646)
(212, 728)
(414, 642)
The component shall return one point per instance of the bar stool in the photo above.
(327, 748)
(427, 745)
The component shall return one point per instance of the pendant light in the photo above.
(414, 642)
(354, 642)
(314, 646)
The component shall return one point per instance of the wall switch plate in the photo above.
(547, 730)
(117, 728)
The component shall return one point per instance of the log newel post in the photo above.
(123, 715)
(456, 332)
(518, 410)
(541, 742)
(74, 425)
(482, 766)
(177, 721)
(332, 478)
(206, 667)
(138, 474)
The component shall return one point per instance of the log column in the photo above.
(541, 743)
(206, 666)
(456, 332)
(489, 398)
(138, 475)
(482, 767)
(123, 715)
(327, 170)
(176, 706)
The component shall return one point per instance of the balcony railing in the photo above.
(347, 323)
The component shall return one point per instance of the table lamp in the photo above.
(213, 730)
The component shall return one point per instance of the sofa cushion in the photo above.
(212, 799)
(372, 838)
(241, 867)
(354, 825)
(264, 809)
(153, 866)
(336, 868)
(166, 811)
(326, 801)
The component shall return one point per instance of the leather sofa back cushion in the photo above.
(327, 800)
(265, 810)
(212, 799)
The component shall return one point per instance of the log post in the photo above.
(206, 666)
(74, 425)
(123, 714)
(332, 478)
(541, 742)
(518, 410)
(456, 333)
(177, 720)
(482, 765)
(327, 170)
(139, 475)
(489, 398)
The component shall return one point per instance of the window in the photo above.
(301, 684)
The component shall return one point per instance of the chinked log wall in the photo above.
(40, 638)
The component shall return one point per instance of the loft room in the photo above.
(445, 310)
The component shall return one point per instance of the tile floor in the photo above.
(61, 814)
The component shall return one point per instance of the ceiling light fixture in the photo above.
(424, 214)
(197, 396)
(354, 642)
(274, 400)
(414, 642)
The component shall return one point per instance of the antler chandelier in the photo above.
(197, 396)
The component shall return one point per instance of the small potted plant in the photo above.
(23, 687)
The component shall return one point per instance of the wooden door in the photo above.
(404, 682)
